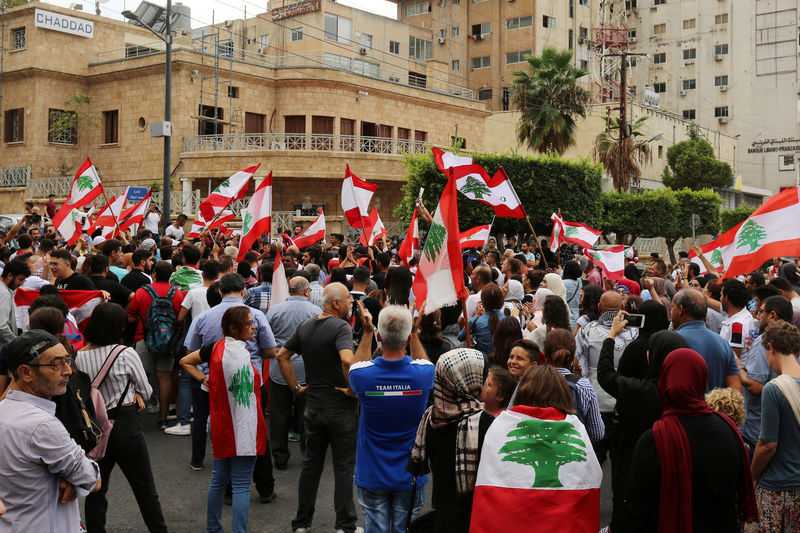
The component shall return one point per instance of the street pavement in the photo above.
(183, 491)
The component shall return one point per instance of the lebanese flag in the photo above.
(475, 237)
(287, 241)
(135, 214)
(474, 182)
(86, 187)
(440, 274)
(80, 303)
(71, 226)
(256, 218)
(373, 229)
(772, 230)
(537, 458)
(313, 234)
(280, 287)
(109, 215)
(719, 252)
(356, 194)
(572, 232)
(229, 190)
(611, 260)
(410, 245)
(199, 225)
(234, 387)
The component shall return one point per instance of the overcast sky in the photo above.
(203, 11)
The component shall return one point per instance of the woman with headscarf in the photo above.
(450, 437)
(572, 288)
(514, 297)
(556, 285)
(657, 288)
(537, 307)
(691, 471)
(633, 385)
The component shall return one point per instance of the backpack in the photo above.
(160, 324)
(105, 424)
(577, 401)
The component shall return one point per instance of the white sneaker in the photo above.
(358, 529)
(153, 408)
(179, 429)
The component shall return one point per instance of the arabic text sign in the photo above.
(297, 8)
(64, 23)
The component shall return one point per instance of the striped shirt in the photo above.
(127, 367)
(591, 417)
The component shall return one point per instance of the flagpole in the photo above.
(466, 323)
(536, 239)
(111, 208)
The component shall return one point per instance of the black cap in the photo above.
(28, 347)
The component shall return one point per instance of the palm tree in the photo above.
(549, 97)
(623, 160)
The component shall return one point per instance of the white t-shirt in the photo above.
(195, 301)
(175, 233)
(151, 222)
(729, 330)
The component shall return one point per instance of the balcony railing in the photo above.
(301, 141)
(15, 176)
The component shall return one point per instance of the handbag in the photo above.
(106, 424)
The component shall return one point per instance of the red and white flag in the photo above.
(136, 213)
(356, 194)
(572, 232)
(280, 286)
(86, 187)
(80, 304)
(256, 217)
(440, 276)
(313, 234)
(611, 260)
(199, 225)
(474, 182)
(410, 246)
(71, 226)
(109, 215)
(475, 237)
(718, 252)
(229, 190)
(238, 429)
(373, 229)
(537, 458)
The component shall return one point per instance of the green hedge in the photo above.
(728, 218)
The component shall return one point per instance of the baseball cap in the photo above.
(28, 347)
(148, 244)
(97, 241)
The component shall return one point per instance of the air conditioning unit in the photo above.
(723, 88)
(717, 57)
(262, 50)
(363, 51)
(440, 40)
(723, 120)
(478, 37)
(581, 40)
(228, 23)
(631, 39)
(683, 93)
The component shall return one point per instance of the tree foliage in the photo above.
(544, 184)
(623, 160)
(73, 121)
(549, 97)
(692, 164)
(705, 204)
(729, 218)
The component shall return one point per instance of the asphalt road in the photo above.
(183, 491)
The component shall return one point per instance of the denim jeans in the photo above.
(339, 429)
(387, 512)
(184, 397)
(238, 470)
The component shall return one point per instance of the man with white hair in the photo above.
(393, 391)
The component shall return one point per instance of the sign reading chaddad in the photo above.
(64, 23)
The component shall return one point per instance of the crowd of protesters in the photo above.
(685, 381)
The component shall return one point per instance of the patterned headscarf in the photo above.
(456, 400)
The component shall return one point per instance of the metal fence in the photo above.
(301, 141)
(15, 176)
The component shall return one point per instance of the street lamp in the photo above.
(166, 127)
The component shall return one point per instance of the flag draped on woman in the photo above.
(256, 217)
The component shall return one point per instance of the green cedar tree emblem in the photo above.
(570, 231)
(248, 218)
(186, 278)
(546, 445)
(716, 257)
(750, 235)
(85, 182)
(242, 386)
(434, 241)
(225, 184)
(476, 187)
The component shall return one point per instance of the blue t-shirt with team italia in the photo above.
(393, 395)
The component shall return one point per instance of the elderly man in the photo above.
(331, 417)
(393, 391)
(42, 470)
(315, 286)
(284, 319)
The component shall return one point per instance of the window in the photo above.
(110, 127)
(394, 47)
(263, 41)
(583, 33)
(661, 151)
(506, 98)
(484, 94)
(570, 39)
(210, 126)
(660, 57)
(14, 121)
(419, 48)
(721, 18)
(336, 61)
(659, 2)
(548, 22)
(297, 34)
(720, 49)
(61, 126)
(660, 87)
(18, 38)
(481, 29)
(632, 61)
(481, 62)
(721, 111)
(454, 31)
(366, 41)
(689, 114)
(347, 131)
(455, 64)
(720, 80)
(689, 53)
(295, 128)
(517, 57)
(631, 34)
(337, 28)
(660, 28)
(422, 136)
(630, 4)
(233, 92)
(418, 9)
(571, 8)
(415, 79)
(516, 23)
(365, 68)
(689, 24)
(225, 48)
(688, 85)
(443, 33)
(583, 2)
(584, 64)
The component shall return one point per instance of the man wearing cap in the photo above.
(42, 470)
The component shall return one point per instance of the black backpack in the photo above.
(577, 401)
(161, 323)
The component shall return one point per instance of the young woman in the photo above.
(524, 354)
(555, 314)
(497, 390)
(482, 327)
(505, 335)
(238, 431)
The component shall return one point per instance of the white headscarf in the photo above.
(515, 291)
(556, 285)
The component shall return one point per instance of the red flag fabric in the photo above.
(86, 187)
(313, 234)
(229, 190)
(356, 194)
(475, 237)
(572, 232)
(410, 245)
(256, 218)
(80, 304)
(373, 229)
(611, 260)
(135, 214)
